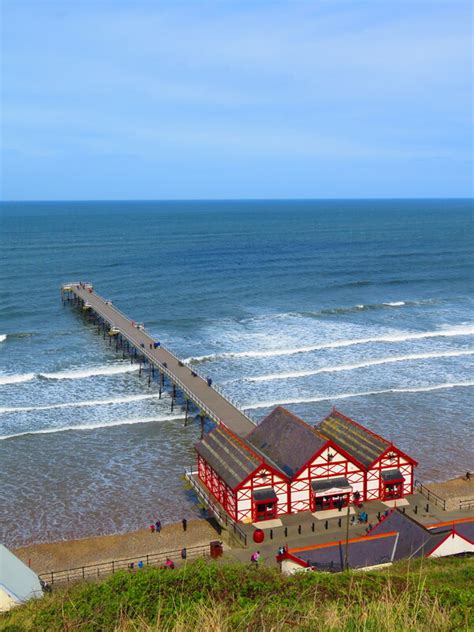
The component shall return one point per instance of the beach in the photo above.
(56, 556)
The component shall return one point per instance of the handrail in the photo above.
(107, 568)
(221, 515)
(178, 382)
(466, 503)
(429, 494)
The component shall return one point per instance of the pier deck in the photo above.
(214, 404)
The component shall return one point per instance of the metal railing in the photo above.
(221, 515)
(431, 496)
(169, 373)
(93, 571)
(466, 504)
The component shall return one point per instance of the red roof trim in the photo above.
(392, 448)
(451, 533)
(264, 466)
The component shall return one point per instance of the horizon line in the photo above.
(243, 199)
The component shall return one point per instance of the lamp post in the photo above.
(346, 552)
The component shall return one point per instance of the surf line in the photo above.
(358, 365)
(96, 426)
(337, 344)
(325, 398)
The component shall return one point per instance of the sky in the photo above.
(147, 99)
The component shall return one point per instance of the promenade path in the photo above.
(214, 404)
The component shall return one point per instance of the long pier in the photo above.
(196, 389)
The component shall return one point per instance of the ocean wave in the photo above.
(79, 374)
(92, 402)
(16, 379)
(359, 365)
(402, 337)
(3, 337)
(325, 398)
(93, 426)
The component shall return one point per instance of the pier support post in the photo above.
(201, 417)
(172, 403)
(160, 386)
(186, 411)
(140, 369)
(149, 374)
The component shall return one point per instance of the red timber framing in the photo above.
(329, 462)
(263, 478)
(392, 459)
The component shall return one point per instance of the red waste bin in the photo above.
(258, 536)
(216, 549)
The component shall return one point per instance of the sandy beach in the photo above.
(73, 553)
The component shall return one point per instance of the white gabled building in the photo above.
(18, 583)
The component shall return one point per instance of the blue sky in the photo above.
(160, 100)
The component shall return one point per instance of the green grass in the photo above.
(430, 595)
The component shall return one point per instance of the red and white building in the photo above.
(285, 466)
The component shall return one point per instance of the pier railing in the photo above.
(431, 496)
(221, 516)
(466, 504)
(178, 382)
(132, 564)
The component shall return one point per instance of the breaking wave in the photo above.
(16, 379)
(78, 374)
(3, 337)
(445, 333)
(359, 365)
(92, 402)
(311, 400)
(93, 426)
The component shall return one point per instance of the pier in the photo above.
(160, 361)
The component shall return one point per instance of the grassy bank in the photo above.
(428, 595)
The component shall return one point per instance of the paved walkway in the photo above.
(216, 406)
(415, 509)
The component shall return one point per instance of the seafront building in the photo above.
(284, 466)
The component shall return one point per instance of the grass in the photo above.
(430, 595)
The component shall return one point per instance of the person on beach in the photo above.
(152, 528)
(158, 526)
(185, 524)
(184, 553)
(254, 558)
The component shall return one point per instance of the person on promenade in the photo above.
(169, 563)
(254, 558)
(185, 524)
(184, 553)
(140, 564)
(158, 526)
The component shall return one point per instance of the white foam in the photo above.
(92, 402)
(94, 426)
(359, 365)
(16, 379)
(78, 374)
(401, 337)
(414, 389)
(394, 304)
(3, 337)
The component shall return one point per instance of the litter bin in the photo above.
(216, 549)
(258, 536)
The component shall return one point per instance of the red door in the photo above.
(265, 510)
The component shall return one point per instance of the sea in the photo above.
(364, 305)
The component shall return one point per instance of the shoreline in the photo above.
(54, 556)
(57, 555)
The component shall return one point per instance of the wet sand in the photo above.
(454, 491)
(74, 553)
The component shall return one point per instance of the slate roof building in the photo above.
(286, 465)
(396, 537)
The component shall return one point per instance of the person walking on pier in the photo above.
(185, 524)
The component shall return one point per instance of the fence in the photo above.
(93, 571)
(221, 516)
(466, 504)
(431, 496)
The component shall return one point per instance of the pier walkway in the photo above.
(208, 399)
